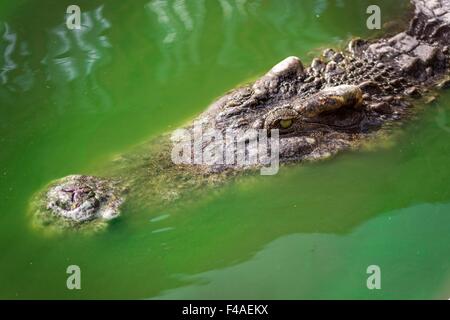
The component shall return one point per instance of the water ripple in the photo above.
(77, 54)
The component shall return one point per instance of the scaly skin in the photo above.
(339, 101)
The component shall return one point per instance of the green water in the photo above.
(70, 102)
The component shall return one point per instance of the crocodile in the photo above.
(342, 99)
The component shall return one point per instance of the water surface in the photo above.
(71, 101)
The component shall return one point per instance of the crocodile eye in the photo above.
(281, 118)
(286, 123)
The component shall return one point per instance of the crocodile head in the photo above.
(341, 97)
(315, 114)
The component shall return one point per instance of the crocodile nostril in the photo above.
(82, 198)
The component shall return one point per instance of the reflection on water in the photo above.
(233, 13)
(177, 33)
(180, 25)
(180, 8)
(10, 44)
(71, 59)
(177, 26)
(15, 73)
(75, 55)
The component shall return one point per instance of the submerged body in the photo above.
(339, 101)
